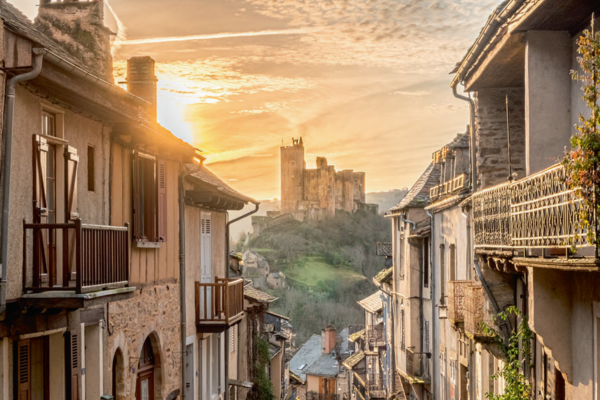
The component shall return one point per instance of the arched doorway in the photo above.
(118, 376)
(145, 378)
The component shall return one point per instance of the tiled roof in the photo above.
(418, 195)
(372, 303)
(358, 335)
(385, 275)
(460, 141)
(326, 365)
(354, 359)
(257, 295)
(305, 356)
(206, 176)
(273, 350)
(384, 249)
(278, 315)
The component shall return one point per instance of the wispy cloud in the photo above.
(409, 93)
(297, 31)
(121, 30)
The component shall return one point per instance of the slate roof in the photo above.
(372, 303)
(273, 350)
(418, 195)
(278, 315)
(344, 346)
(306, 355)
(258, 295)
(354, 359)
(460, 141)
(326, 365)
(358, 335)
(384, 275)
(296, 377)
(208, 177)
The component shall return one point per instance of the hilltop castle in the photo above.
(315, 193)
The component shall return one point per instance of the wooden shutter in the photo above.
(138, 227)
(24, 369)
(162, 201)
(71, 167)
(73, 359)
(40, 156)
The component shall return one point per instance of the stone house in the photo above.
(110, 214)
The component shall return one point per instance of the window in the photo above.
(452, 262)
(145, 373)
(426, 338)
(443, 272)
(149, 199)
(90, 169)
(426, 262)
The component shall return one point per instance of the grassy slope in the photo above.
(312, 269)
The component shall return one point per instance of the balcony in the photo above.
(219, 305)
(475, 313)
(456, 300)
(376, 336)
(375, 386)
(539, 211)
(74, 265)
(448, 187)
(417, 366)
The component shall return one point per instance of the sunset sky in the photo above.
(364, 82)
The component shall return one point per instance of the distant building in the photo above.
(316, 193)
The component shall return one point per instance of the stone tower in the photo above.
(78, 26)
(292, 176)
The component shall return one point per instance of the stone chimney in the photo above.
(141, 80)
(78, 27)
(328, 339)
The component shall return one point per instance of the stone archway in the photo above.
(118, 375)
(149, 376)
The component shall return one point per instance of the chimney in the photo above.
(141, 80)
(328, 339)
(78, 27)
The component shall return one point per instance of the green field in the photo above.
(311, 269)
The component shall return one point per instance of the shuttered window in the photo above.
(149, 199)
(426, 339)
(73, 364)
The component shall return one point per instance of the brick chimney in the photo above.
(141, 80)
(328, 339)
(78, 27)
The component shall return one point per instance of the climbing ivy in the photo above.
(581, 161)
(263, 387)
(517, 355)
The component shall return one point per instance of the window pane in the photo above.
(90, 169)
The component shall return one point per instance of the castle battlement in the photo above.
(316, 193)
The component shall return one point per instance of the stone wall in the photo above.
(153, 312)
(292, 177)
(491, 139)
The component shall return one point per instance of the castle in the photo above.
(316, 193)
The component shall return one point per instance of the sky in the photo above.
(365, 83)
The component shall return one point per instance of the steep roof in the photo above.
(372, 303)
(273, 350)
(306, 356)
(354, 359)
(358, 335)
(257, 295)
(418, 195)
(327, 365)
(278, 315)
(384, 275)
(206, 176)
(345, 345)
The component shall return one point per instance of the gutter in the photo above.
(256, 206)
(435, 317)
(472, 153)
(8, 133)
(414, 224)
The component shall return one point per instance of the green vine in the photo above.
(517, 355)
(581, 162)
(263, 387)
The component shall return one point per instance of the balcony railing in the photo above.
(456, 300)
(376, 336)
(375, 386)
(75, 257)
(417, 365)
(539, 211)
(474, 311)
(220, 303)
(448, 187)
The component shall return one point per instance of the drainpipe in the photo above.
(227, 275)
(8, 132)
(433, 309)
(471, 133)
(504, 325)
(414, 224)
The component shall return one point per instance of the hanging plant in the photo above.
(582, 169)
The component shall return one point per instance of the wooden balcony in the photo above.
(75, 265)
(539, 211)
(456, 300)
(448, 187)
(375, 336)
(375, 387)
(219, 305)
(475, 314)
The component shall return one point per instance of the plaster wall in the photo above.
(548, 59)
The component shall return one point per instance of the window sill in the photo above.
(148, 245)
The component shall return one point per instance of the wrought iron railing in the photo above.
(376, 336)
(456, 300)
(539, 211)
(75, 256)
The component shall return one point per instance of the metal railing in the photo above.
(221, 302)
(75, 256)
(539, 211)
(375, 336)
(456, 300)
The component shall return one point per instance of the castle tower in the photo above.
(292, 176)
